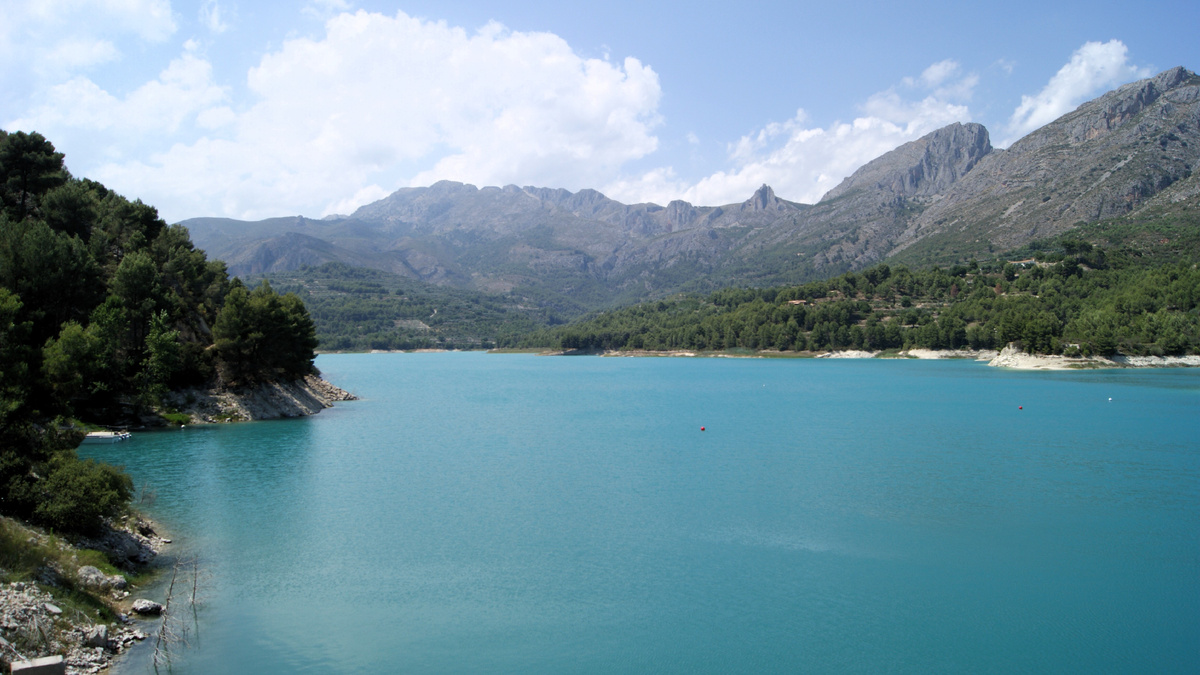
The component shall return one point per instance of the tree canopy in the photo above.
(103, 309)
(1073, 300)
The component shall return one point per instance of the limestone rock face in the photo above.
(925, 167)
(1108, 158)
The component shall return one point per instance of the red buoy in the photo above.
(701, 428)
(1020, 407)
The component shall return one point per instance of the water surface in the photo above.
(524, 514)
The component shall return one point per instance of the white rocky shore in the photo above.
(35, 625)
(1011, 357)
(274, 400)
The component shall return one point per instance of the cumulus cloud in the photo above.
(1094, 68)
(802, 161)
(80, 109)
(382, 101)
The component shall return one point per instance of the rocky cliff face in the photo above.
(926, 167)
(1107, 158)
(945, 196)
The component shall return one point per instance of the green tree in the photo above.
(162, 358)
(70, 361)
(29, 167)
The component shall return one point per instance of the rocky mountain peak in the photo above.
(922, 168)
(680, 214)
(764, 199)
(1101, 116)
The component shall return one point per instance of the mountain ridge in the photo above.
(945, 196)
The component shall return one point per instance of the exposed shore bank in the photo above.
(274, 400)
(57, 602)
(1009, 357)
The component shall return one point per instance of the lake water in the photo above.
(524, 514)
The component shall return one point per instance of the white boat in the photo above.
(107, 437)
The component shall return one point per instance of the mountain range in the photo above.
(942, 198)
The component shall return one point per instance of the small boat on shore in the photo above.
(106, 437)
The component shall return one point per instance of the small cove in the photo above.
(516, 514)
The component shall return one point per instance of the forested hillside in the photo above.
(1137, 293)
(103, 309)
(359, 309)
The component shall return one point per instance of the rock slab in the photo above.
(47, 665)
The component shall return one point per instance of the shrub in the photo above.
(77, 494)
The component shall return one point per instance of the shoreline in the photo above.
(273, 400)
(1009, 357)
(55, 599)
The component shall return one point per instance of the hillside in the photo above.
(359, 309)
(1070, 297)
(942, 198)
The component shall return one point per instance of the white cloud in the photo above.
(802, 162)
(212, 17)
(371, 193)
(51, 37)
(1094, 68)
(936, 73)
(160, 107)
(323, 9)
(383, 101)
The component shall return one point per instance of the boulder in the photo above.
(93, 578)
(50, 574)
(96, 636)
(149, 607)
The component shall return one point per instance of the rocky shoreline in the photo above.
(34, 624)
(267, 401)
(1009, 357)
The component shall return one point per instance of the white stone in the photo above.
(143, 606)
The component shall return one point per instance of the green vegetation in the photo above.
(359, 309)
(103, 309)
(24, 552)
(1072, 298)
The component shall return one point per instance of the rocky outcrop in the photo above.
(130, 543)
(1107, 158)
(93, 579)
(266, 401)
(926, 167)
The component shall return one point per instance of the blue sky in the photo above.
(257, 109)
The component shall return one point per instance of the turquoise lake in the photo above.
(479, 513)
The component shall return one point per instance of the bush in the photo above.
(77, 494)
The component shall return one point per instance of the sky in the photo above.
(315, 107)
